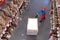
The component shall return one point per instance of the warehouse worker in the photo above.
(41, 14)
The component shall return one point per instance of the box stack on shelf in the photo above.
(5, 21)
(58, 13)
(9, 17)
(51, 19)
(54, 21)
(58, 10)
(57, 3)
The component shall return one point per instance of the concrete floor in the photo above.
(44, 28)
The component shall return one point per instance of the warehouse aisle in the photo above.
(34, 7)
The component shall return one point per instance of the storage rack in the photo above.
(54, 21)
(11, 13)
(58, 13)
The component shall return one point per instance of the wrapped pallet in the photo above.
(32, 26)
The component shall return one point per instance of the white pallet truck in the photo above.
(32, 26)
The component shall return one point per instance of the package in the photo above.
(10, 30)
(12, 9)
(4, 17)
(2, 21)
(17, 2)
(4, 38)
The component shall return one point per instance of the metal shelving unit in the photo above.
(12, 11)
(54, 21)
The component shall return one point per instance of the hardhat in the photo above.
(43, 8)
